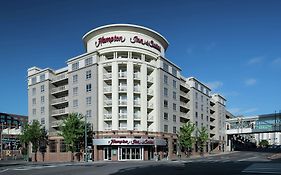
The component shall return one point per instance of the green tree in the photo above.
(32, 133)
(72, 130)
(25, 139)
(43, 142)
(263, 143)
(186, 139)
(202, 138)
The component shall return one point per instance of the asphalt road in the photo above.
(243, 163)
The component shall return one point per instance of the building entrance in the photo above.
(130, 153)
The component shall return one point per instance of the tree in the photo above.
(32, 133)
(202, 138)
(186, 139)
(72, 130)
(264, 143)
(43, 142)
(25, 139)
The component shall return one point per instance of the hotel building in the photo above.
(134, 97)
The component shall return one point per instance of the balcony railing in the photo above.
(60, 111)
(122, 127)
(137, 128)
(136, 75)
(59, 100)
(122, 88)
(122, 102)
(137, 116)
(56, 123)
(59, 89)
(149, 104)
(122, 115)
(136, 89)
(149, 78)
(59, 77)
(149, 91)
(150, 117)
(137, 102)
(107, 102)
(107, 76)
(108, 116)
(107, 88)
(107, 128)
(122, 74)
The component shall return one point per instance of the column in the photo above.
(115, 96)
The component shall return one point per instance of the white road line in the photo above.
(247, 159)
(2, 171)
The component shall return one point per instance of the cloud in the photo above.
(276, 61)
(250, 82)
(240, 111)
(214, 85)
(250, 110)
(256, 60)
(234, 111)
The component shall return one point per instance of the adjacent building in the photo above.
(135, 98)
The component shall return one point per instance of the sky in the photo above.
(234, 46)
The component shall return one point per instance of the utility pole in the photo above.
(86, 144)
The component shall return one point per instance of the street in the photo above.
(231, 164)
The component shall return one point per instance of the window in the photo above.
(33, 80)
(75, 78)
(42, 88)
(34, 101)
(166, 67)
(42, 99)
(89, 113)
(196, 123)
(75, 66)
(174, 83)
(202, 98)
(34, 111)
(88, 74)
(196, 105)
(42, 110)
(33, 91)
(207, 118)
(75, 91)
(174, 118)
(196, 95)
(88, 100)
(196, 114)
(88, 87)
(166, 116)
(165, 128)
(201, 107)
(52, 146)
(165, 104)
(42, 77)
(165, 79)
(174, 106)
(201, 116)
(62, 146)
(75, 103)
(174, 130)
(88, 61)
(202, 88)
(165, 92)
(174, 71)
(174, 95)
(42, 121)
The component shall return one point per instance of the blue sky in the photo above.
(233, 46)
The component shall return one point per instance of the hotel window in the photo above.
(62, 146)
(202, 89)
(174, 130)
(202, 98)
(42, 88)
(34, 101)
(88, 61)
(42, 110)
(42, 77)
(88, 74)
(196, 123)
(207, 118)
(88, 100)
(75, 78)
(166, 67)
(89, 113)
(166, 117)
(33, 80)
(75, 66)
(33, 91)
(33, 111)
(174, 106)
(52, 146)
(174, 83)
(165, 128)
(42, 121)
(165, 104)
(75, 103)
(196, 114)
(196, 105)
(174, 118)
(174, 95)
(42, 99)
(201, 116)
(207, 110)
(88, 87)
(75, 91)
(165, 92)
(165, 79)
(196, 95)
(174, 71)
(201, 107)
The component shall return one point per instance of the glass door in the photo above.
(107, 153)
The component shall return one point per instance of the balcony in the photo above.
(137, 128)
(123, 116)
(123, 88)
(107, 89)
(122, 127)
(137, 75)
(61, 100)
(58, 112)
(56, 124)
(137, 103)
(150, 118)
(137, 116)
(59, 89)
(107, 102)
(122, 75)
(122, 102)
(149, 78)
(58, 78)
(150, 105)
(150, 92)
(107, 76)
(136, 89)
(107, 128)
(107, 116)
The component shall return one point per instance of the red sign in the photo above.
(150, 43)
(103, 40)
(131, 142)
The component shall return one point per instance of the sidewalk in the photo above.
(4, 163)
(205, 155)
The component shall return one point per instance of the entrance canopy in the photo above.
(129, 141)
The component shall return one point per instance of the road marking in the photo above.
(2, 171)
(247, 159)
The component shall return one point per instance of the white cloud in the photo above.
(277, 61)
(250, 82)
(256, 60)
(214, 85)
